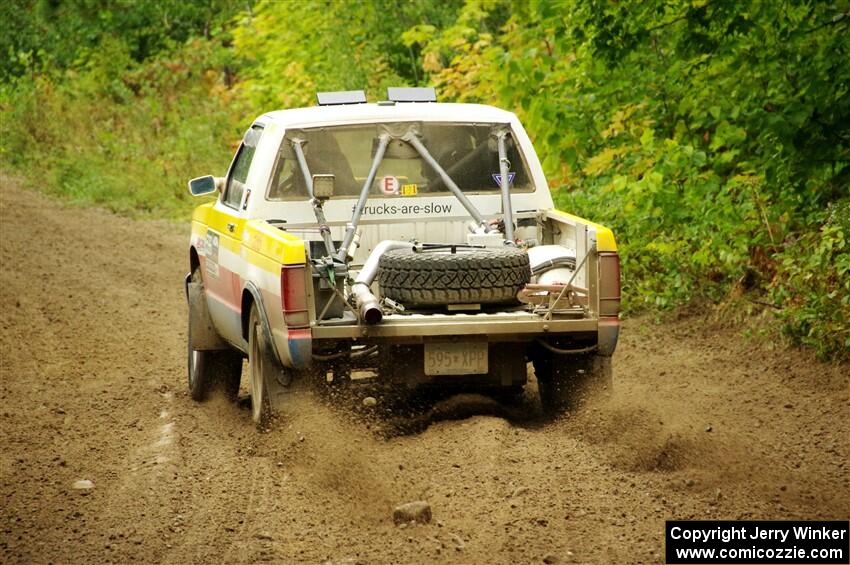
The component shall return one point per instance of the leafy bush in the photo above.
(123, 136)
(813, 284)
(47, 34)
(706, 134)
(291, 50)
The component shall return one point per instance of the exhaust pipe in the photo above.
(367, 303)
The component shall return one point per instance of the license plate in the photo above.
(456, 358)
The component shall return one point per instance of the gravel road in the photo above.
(704, 423)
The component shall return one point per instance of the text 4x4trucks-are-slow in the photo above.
(409, 240)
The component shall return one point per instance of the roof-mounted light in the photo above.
(405, 94)
(341, 97)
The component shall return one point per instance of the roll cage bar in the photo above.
(411, 138)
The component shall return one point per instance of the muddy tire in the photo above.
(261, 372)
(210, 369)
(439, 277)
(567, 382)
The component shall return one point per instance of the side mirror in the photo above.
(323, 186)
(205, 185)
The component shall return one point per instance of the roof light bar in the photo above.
(405, 94)
(341, 97)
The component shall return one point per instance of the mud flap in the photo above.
(300, 342)
(203, 333)
(507, 364)
(608, 333)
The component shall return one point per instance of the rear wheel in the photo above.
(209, 368)
(262, 370)
(567, 382)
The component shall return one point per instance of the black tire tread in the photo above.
(482, 276)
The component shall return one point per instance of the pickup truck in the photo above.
(407, 240)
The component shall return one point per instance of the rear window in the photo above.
(467, 152)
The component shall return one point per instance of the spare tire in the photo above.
(460, 275)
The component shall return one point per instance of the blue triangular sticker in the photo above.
(497, 178)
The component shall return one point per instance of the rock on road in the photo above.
(106, 459)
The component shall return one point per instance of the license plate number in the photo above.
(456, 358)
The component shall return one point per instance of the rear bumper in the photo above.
(498, 326)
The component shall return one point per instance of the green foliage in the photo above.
(705, 133)
(813, 282)
(117, 102)
(291, 50)
(45, 34)
(122, 136)
(711, 135)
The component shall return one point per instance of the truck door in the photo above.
(224, 267)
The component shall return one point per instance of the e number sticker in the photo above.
(389, 185)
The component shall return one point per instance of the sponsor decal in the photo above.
(211, 253)
(392, 209)
(497, 178)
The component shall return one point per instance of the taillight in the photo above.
(293, 296)
(609, 284)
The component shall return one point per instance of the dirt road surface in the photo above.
(703, 424)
